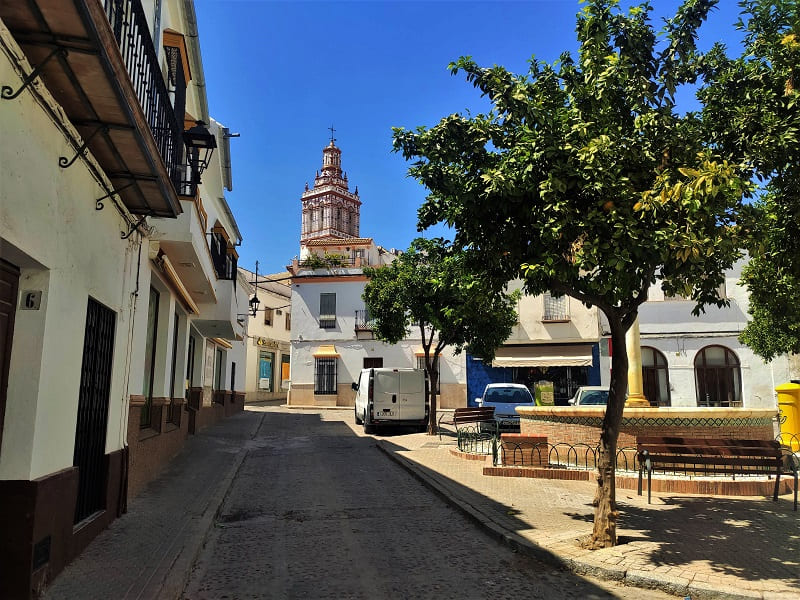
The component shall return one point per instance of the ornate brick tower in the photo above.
(330, 210)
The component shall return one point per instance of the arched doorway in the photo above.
(655, 377)
(718, 377)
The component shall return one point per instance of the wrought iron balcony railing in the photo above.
(364, 322)
(136, 46)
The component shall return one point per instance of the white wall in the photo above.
(307, 336)
(667, 325)
(581, 326)
(69, 251)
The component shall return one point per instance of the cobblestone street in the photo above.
(317, 511)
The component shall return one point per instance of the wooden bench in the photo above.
(702, 456)
(468, 414)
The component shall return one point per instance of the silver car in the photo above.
(505, 398)
(590, 395)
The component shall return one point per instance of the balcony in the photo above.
(184, 241)
(98, 60)
(363, 321)
(219, 319)
(365, 325)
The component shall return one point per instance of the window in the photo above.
(327, 311)
(265, 362)
(421, 365)
(288, 321)
(222, 256)
(655, 377)
(325, 375)
(173, 370)
(373, 363)
(555, 309)
(219, 362)
(285, 371)
(150, 359)
(718, 377)
(268, 316)
(190, 364)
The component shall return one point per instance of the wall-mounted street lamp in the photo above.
(200, 145)
(254, 302)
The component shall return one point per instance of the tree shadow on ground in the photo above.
(752, 539)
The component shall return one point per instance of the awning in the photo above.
(419, 351)
(326, 352)
(544, 356)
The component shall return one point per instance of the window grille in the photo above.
(325, 376)
(555, 309)
(327, 311)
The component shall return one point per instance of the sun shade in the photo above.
(544, 356)
(326, 352)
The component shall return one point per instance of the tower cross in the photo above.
(333, 139)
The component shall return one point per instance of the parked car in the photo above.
(505, 398)
(590, 395)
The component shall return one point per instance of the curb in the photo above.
(677, 586)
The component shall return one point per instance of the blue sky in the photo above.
(282, 72)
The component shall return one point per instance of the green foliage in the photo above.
(583, 178)
(428, 288)
(328, 261)
(752, 112)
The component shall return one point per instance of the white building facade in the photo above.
(118, 311)
(268, 346)
(554, 345)
(699, 361)
(332, 337)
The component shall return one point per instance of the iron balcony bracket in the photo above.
(7, 92)
(65, 163)
(98, 204)
(133, 227)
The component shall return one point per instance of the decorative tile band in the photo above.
(657, 421)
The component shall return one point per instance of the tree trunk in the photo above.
(604, 533)
(434, 384)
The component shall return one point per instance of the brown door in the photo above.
(9, 281)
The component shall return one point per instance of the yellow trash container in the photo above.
(789, 406)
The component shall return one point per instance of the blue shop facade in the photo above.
(566, 366)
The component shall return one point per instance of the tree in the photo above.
(428, 288)
(584, 179)
(752, 109)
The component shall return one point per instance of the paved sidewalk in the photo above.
(149, 552)
(697, 546)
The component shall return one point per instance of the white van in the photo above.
(391, 397)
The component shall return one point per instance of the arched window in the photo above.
(718, 377)
(655, 377)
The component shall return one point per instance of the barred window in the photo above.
(327, 311)
(325, 376)
(555, 309)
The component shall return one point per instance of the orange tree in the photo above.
(427, 289)
(584, 179)
(751, 105)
